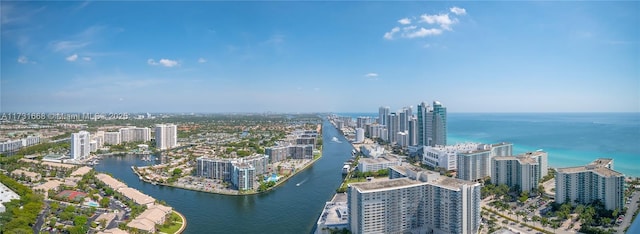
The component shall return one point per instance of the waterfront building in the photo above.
(258, 161)
(301, 151)
(227, 168)
(335, 215)
(443, 156)
(112, 138)
(439, 205)
(277, 153)
(524, 171)
(214, 168)
(80, 145)
(473, 163)
(439, 123)
(595, 181)
(379, 163)
(133, 134)
(383, 114)
(412, 172)
(305, 141)
(359, 135)
(372, 151)
(93, 146)
(166, 136)
(243, 176)
(432, 124)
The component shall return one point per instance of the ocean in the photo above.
(571, 139)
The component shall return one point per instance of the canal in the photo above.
(287, 209)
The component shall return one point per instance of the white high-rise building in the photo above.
(112, 138)
(383, 113)
(475, 164)
(166, 136)
(132, 134)
(440, 205)
(359, 135)
(525, 170)
(80, 145)
(595, 181)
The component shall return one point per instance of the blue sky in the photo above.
(319, 56)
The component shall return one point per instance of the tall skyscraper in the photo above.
(432, 124)
(80, 145)
(383, 112)
(166, 136)
(413, 131)
(439, 124)
(393, 127)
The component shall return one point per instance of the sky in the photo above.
(139, 56)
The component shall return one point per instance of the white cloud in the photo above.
(163, 62)
(23, 59)
(68, 45)
(168, 62)
(72, 58)
(458, 11)
(442, 19)
(371, 74)
(202, 60)
(409, 27)
(422, 32)
(389, 35)
(404, 21)
(88, 59)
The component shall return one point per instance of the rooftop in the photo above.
(81, 171)
(385, 184)
(599, 166)
(136, 196)
(603, 162)
(381, 159)
(451, 183)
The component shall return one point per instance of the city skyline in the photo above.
(212, 57)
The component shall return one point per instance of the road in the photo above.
(633, 206)
(40, 220)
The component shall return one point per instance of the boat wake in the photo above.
(335, 139)
(302, 182)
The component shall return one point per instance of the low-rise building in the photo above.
(379, 163)
(6, 195)
(32, 176)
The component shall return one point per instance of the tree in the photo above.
(104, 202)
(177, 172)
(523, 197)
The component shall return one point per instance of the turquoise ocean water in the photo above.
(571, 139)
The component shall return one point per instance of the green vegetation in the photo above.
(172, 225)
(264, 186)
(550, 175)
(20, 214)
(379, 173)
